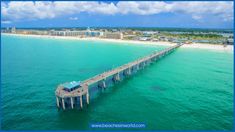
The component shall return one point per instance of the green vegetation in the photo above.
(195, 36)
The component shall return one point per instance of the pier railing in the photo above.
(69, 99)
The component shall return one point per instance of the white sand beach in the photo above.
(228, 48)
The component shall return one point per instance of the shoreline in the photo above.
(216, 47)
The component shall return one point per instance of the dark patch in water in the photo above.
(156, 88)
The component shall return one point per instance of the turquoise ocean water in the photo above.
(191, 89)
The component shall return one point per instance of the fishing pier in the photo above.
(71, 94)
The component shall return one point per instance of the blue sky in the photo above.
(118, 14)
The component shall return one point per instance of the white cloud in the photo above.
(73, 18)
(6, 22)
(196, 17)
(13, 11)
(223, 10)
(143, 8)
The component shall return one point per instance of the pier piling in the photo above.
(81, 101)
(58, 102)
(71, 102)
(87, 98)
(104, 84)
(63, 103)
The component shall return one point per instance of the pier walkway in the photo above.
(66, 98)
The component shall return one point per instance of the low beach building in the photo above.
(229, 41)
(149, 33)
(129, 32)
(155, 40)
(144, 38)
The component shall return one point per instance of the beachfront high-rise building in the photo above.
(84, 33)
(113, 35)
(13, 30)
(8, 30)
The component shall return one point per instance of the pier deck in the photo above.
(126, 69)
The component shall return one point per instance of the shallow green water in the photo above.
(190, 89)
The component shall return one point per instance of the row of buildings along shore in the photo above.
(66, 32)
(129, 34)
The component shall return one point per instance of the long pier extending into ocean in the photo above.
(69, 95)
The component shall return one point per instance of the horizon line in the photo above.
(121, 27)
